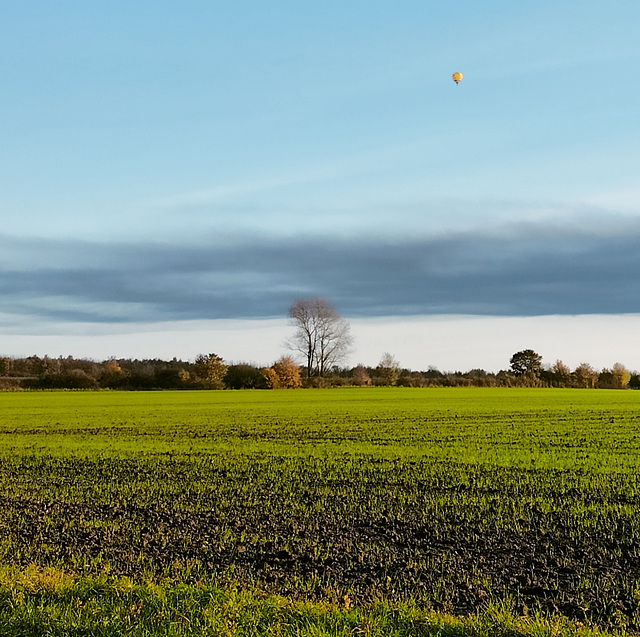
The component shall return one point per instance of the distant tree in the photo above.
(605, 379)
(243, 376)
(50, 366)
(170, 378)
(321, 335)
(29, 366)
(360, 376)
(211, 369)
(585, 376)
(481, 378)
(89, 367)
(477, 373)
(112, 366)
(388, 369)
(621, 375)
(111, 374)
(433, 375)
(415, 379)
(634, 381)
(288, 373)
(617, 377)
(283, 374)
(526, 363)
(44, 366)
(6, 366)
(271, 378)
(72, 379)
(561, 374)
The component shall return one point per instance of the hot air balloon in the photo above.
(457, 76)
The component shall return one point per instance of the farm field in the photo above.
(456, 501)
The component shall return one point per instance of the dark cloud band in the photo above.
(522, 270)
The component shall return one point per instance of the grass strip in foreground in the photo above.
(50, 602)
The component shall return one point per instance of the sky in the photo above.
(173, 176)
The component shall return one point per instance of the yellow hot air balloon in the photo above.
(457, 77)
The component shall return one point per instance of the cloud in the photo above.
(517, 270)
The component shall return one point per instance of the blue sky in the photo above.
(175, 175)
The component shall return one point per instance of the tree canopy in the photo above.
(526, 363)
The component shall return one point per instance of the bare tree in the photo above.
(388, 369)
(322, 335)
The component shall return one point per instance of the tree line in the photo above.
(212, 372)
(322, 341)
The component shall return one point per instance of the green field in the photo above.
(555, 429)
(395, 510)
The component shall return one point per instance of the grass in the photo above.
(48, 602)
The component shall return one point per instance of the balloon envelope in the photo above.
(457, 77)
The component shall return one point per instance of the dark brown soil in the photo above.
(449, 564)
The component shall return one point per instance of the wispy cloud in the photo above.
(521, 269)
